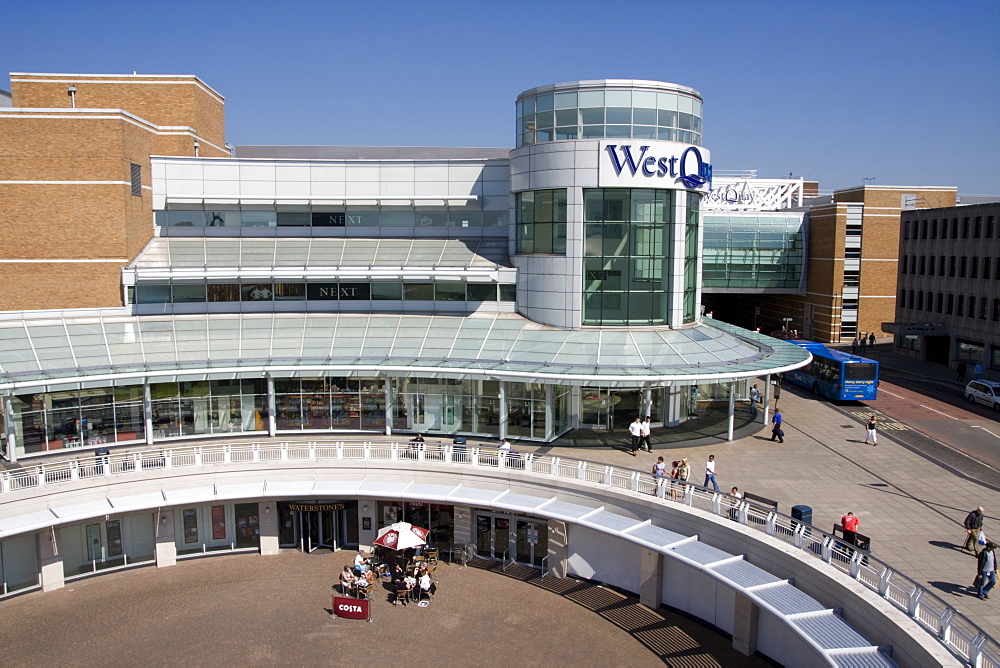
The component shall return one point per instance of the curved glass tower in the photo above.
(607, 179)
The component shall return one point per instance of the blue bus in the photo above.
(836, 375)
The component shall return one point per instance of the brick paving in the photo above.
(252, 610)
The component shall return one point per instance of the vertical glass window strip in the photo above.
(541, 221)
(626, 242)
(691, 257)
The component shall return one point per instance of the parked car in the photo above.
(984, 392)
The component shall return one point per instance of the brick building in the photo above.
(75, 178)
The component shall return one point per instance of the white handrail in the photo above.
(955, 631)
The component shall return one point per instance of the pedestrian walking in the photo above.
(978, 371)
(646, 431)
(636, 430)
(871, 435)
(871, 340)
(850, 524)
(864, 340)
(710, 473)
(777, 433)
(973, 526)
(960, 369)
(987, 571)
(854, 346)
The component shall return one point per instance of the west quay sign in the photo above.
(653, 164)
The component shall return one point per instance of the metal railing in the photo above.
(955, 631)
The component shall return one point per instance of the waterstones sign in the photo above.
(635, 163)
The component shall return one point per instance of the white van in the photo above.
(984, 392)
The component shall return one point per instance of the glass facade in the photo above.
(753, 251)
(208, 407)
(691, 258)
(46, 421)
(187, 292)
(446, 405)
(395, 217)
(626, 256)
(328, 403)
(609, 113)
(541, 221)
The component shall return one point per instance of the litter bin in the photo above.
(458, 452)
(803, 514)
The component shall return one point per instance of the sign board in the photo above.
(643, 163)
(350, 608)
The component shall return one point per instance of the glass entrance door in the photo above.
(601, 408)
(318, 529)
(492, 536)
(532, 542)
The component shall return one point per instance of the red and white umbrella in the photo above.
(401, 535)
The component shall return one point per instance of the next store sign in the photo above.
(653, 164)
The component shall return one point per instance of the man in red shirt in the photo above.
(850, 524)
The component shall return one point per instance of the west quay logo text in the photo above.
(689, 168)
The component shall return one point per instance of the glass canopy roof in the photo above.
(185, 252)
(499, 345)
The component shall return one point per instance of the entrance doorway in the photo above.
(601, 408)
(528, 544)
(308, 527)
(937, 349)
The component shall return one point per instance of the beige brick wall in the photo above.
(175, 101)
(33, 286)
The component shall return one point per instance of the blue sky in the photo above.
(905, 93)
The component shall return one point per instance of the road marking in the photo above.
(939, 412)
(898, 396)
(976, 426)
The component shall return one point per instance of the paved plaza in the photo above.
(911, 507)
(244, 610)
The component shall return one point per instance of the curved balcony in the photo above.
(797, 594)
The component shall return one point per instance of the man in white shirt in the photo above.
(646, 431)
(636, 430)
(710, 473)
(425, 583)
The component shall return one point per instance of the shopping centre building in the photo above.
(180, 289)
(243, 321)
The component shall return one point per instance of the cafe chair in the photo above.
(432, 556)
(401, 595)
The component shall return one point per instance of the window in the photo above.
(986, 267)
(541, 221)
(906, 229)
(909, 299)
(954, 228)
(939, 303)
(920, 300)
(984, 306)
(902, 264)
(941, 264)
(977, 229)
(996, 312)
(971, 313)
(951, 304)
(137, 180)
(934, 229)
(960, 306)
(989, 227)
(930, 266)
(923, 229)
(963, 265)
(965, 228)
(951, 266)
(923, 265)
(974, 269)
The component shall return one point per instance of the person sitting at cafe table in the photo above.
(347, 580)
(425, 582)
(361, 562)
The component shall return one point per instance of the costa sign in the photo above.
(654, 164)
(350, 608)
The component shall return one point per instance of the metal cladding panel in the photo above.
(863, 659)
(831, 632)
(245, 491)
(657, 535)
(701, 553)
(336, 487)
(745, 574)
(566, 511)
(29, 522)
(422, 490)
(387, 487)
(294, 488)
(520, 501)
(192, 495)
(473, 495)
(126, 504)
(788, 600)
(606, 520)
(83, 510)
